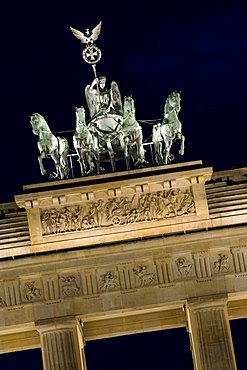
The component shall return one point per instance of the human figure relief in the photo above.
(144, 277)
(222, 264)
(69, 285)
(184, 268)
(30, 291)
(108, 281)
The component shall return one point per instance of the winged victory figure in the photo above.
(101, 100)
(87, 37)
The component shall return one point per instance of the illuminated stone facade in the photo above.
(135, 251)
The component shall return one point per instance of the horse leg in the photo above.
(60, 155)
(181, 150)
(125, 145)
(158, 152)
(64, 164)
(56, 159)
(135, 151)
(143, 160)
(126, 150)
(78, 145)
(168, 145)
(41, 166)
(140, 152)
(81, 162)
(96, 159)
(127, 157)
(111, 154)
(89, 162)
(94, 153)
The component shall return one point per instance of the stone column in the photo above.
(210, 333)
(61, 344)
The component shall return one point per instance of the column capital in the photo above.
(214, 300)
(51, 324)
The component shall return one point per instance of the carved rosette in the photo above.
(118, 211)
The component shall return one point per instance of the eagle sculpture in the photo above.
(87, 37)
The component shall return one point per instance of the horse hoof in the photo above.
(53, 176)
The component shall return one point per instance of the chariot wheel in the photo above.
(116, 220)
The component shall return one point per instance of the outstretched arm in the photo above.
(93, 85)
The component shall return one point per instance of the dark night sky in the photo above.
(150, 50)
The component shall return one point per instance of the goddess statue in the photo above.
(102, 101)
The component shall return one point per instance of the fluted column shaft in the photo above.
(210, 333)
(62, 346)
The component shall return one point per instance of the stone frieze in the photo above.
(88, 282)
(118, 211)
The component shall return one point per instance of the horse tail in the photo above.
(63, 148)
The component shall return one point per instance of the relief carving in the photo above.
(2, 302)
(184, 268)
(222, 263)
(144, 277)
(118, 211)
(30, 292)
(69, 286)
(108, 281)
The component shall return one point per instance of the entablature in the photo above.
(106, 209)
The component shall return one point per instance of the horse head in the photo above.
(36, 121)
(174, 100)
(128, 108)
(80, 115)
